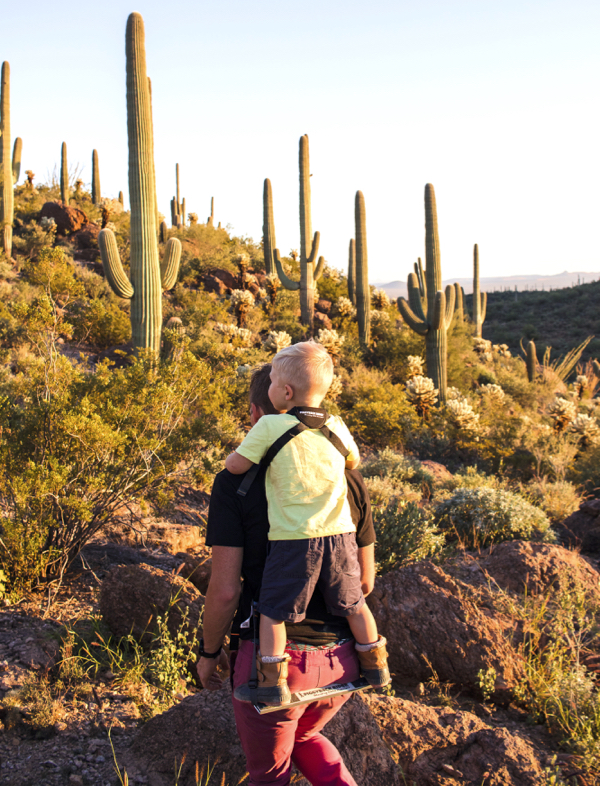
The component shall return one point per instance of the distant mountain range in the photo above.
(500, 283)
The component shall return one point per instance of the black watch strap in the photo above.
(203, 654)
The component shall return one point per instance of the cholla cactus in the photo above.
(243, 370)
(380, 299)
(243, 262)
(344, 308)
(261, 294)
(272, 284)
(335, 391)
(462, 415)
(48, 224)
(331, 341)
(502, 350)
(563, 413)
(422, 394)
(193, 219)
(454, 394)
(416, 366)
(586, 428)
(379, 319)
(276, 341)
(581, 384)
(242, 301)
(332, 273)
(483, 348)
(240, 336)
(494, 392)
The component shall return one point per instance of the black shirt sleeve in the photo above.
(360, 506)
(225, 519)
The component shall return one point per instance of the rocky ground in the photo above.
(444, 628)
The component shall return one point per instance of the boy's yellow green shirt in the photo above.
(305, 483)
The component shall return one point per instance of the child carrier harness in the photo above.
(310, 418)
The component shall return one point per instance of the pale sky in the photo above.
(495, 103)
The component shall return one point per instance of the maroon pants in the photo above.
(273, 741)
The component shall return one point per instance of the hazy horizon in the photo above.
(490, 103)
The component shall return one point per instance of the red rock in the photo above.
(68, 219)
(439, 471)
(197, 570)
(87, 237)
(324, 306)
(213, 284)
(321, 322)
(229, 279)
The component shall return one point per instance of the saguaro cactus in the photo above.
(309, 246)
(479, 298)
(269, 242)
(148, 277)
(64, 175)
(96, 195)
(16, 159)
(211, 219)
(459, 298)
(532, 362)
(6, 175)
(431, 310)
(177, 206)
(363, 294)
(352, 271)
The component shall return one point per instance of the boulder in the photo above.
(214, 284)
(87, 238)
(321, 321)
(438, 745)
(133, 596)
(439, 471)
(324, 306)
(197, 570)
(229, 279)
(582, 528)
(67, 219)
(433, 627)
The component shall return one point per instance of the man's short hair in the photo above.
(306, 367)
(260, 382)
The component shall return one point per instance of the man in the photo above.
(321, 646)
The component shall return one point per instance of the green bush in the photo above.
(101, 323)
(405, 533)
(380, 417)
(55, 273)
(397, 467)
(481, 516)
(558, 500)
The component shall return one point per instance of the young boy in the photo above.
(311, 532)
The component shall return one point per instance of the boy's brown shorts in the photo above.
(295, 567)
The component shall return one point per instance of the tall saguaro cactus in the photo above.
(96, 194)
(310, 272)
(532, 362)
(430, 310)
(363, 294)
(64, 175)
(352, 271)
(6, 175)
(479, 298)
(177, 206)
(16, 159)
(148, 277)
(211, 219)
(460, 302)
(269, 242)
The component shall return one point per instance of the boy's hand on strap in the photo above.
(237, 464)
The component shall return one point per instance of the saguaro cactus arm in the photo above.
(483, 309)
(419, 325)
(315, 248)
(438, 320)
(532, 362)
(460, 303)
(287, 282)
(169, 267)
(319, 268)
(450, 303)
(113, 267)
(16, 158)
(414, 297)
(352, 272)
(421, 280)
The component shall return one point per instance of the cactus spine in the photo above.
(6, 175)
(532, 362)
(96, 196)
(64, 175)
(309, 246)
(479, 298)
(363, 293)
(352, 271)
(148, 277)
(269, 242)
(431, 310)
(16, 159)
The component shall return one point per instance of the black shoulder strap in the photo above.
(314, 416)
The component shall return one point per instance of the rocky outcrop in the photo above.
(321, 321)
(582, 528)
(133, 596)
(324, 306)
(383, 742)
(197, 570)
(67, 219)
(433, 627)
(439, 471)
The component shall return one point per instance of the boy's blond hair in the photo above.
(306, 367)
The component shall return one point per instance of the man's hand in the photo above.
(207, 671)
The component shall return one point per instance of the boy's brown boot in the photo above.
(373, 663)
(272, 684)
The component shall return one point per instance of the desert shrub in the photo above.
(472, 478)
(397, 467)
(102, 323)
(392, 348)
(55, 273)
(382, 491)
(558, 500)
(94, 285)
(332, 285)
(405, 533)
(32, 237)
(481, 516)
(585, 472)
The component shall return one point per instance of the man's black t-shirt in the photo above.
(243, 522)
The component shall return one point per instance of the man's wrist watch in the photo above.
(203, 654)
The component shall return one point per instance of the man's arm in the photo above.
(222, 597)
(366, 560)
